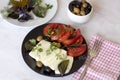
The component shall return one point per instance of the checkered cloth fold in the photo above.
(106, 66)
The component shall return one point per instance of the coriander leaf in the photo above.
(48, 52)
(59, 57)
(56, 44)
(52, 48)
(40, 50)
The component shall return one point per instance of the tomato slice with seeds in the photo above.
(79, 40)
(58, 32)
(67, 33)
(62, 32)
(73, 40)
(76, 51)
(50, 29)
(70, 41)
(67, 36)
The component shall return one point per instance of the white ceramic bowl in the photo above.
(77, 18)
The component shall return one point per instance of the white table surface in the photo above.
(105, 21)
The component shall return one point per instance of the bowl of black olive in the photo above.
(79, 11)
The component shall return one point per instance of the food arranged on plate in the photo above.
(56, 50)
(24, 10)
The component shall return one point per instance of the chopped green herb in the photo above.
(59, 57)
(40, 50)
(48, 52)
(58, 30)
(56, 44)
(34, 48)
(52, 48)
(39, 44)
(66, 28)
(49, 32)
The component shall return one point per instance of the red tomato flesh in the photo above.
(51, 26)
(73, 40)
(66, 34)
(76, 51)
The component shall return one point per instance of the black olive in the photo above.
(74, 4)
(88, 8)
(71, 7)
(48, 71)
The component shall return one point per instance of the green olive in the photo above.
(39, 38)
(76, 10)
(84, 5)
(38, 64)
(82, 13)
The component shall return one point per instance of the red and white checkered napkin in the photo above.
(106, 66)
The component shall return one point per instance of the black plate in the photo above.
(78, 61)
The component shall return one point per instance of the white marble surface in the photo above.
(105, 21)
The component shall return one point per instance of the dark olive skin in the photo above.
(78, 4)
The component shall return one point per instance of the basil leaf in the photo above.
(63, 66)
(13, 15)
(33, 41)
(30, 44)
(40, 11)
(31, 3)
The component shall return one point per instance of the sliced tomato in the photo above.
(68, 42)
(49, 28)
(58, 32)
(67, 34)
(62, 31)
(79, 40)
(54, 37)
(76, 51)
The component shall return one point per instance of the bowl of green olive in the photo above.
(79, 11)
